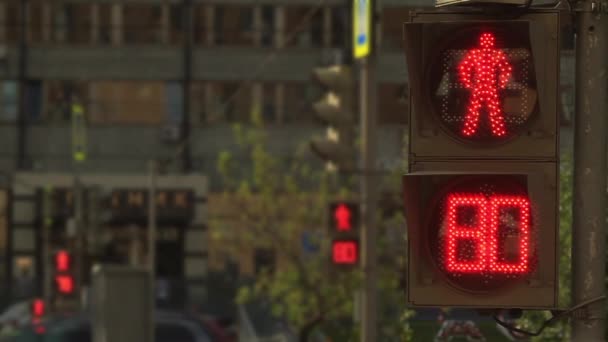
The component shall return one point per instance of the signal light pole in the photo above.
(369, 194)
(589, 194)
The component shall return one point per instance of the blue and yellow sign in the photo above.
(362, 24)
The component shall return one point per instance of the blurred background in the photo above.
(217, 95)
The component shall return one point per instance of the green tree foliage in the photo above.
(273, 203)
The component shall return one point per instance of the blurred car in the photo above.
(170, 327)
(221, 329)
(15, 316)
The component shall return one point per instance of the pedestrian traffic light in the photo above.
(344, 233)
(481, 193)
(64, 273)
(336, 109)
(38, 308)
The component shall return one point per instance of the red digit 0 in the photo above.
(523, 226)
(457, 232)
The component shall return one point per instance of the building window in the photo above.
(35, 28)
(175, 103)
(220, 102)
(72, 23)
(339, 27)
(11, 22)
(58, 99)
(200, 24)
(9, 101)
(233, 25)
(142, 24)
(294, 16)
(105, 23)
(267, 34)
(176, 28)
(127, 102)
(33, 100)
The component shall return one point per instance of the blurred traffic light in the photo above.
(344, 233)
(336, 109)
(481, 192)
(38, 308)
(64, 273)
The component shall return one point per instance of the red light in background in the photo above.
(65, 284)
(62, 261)
(40, 329)
(474, 246)
(345, 252)
(38, 307)
(343, 215)
(485, 71)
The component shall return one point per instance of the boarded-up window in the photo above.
(128, 102)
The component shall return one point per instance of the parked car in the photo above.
(221, 329)
(15, 316)
(170, 327)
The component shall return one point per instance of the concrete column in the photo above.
(258, 25)
(47, 22)
(4, 23)
(279, 102)
(117, 24)
(279, 26)
(94, 24)
(165, 23)
(210, 102)
(209, 25)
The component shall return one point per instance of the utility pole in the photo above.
(22, 75)
(589, 196)
(186, 157)
(79, 231)
(152, 238)
(79, 156)
(369, 184)
(47, 286)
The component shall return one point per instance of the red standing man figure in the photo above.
(484, 70)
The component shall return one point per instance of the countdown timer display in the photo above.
(483, 86)
(482, 232)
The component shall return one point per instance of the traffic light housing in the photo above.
(336, 108)
(64, 277)
(481, 195)
(344, 234)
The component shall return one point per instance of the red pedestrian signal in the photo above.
(63, 261)
(345, 252)
(344, 216)
(64, 280)
(485, 71)
(344, 233)
(65, 284)
(38, 308)
(481, 190)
